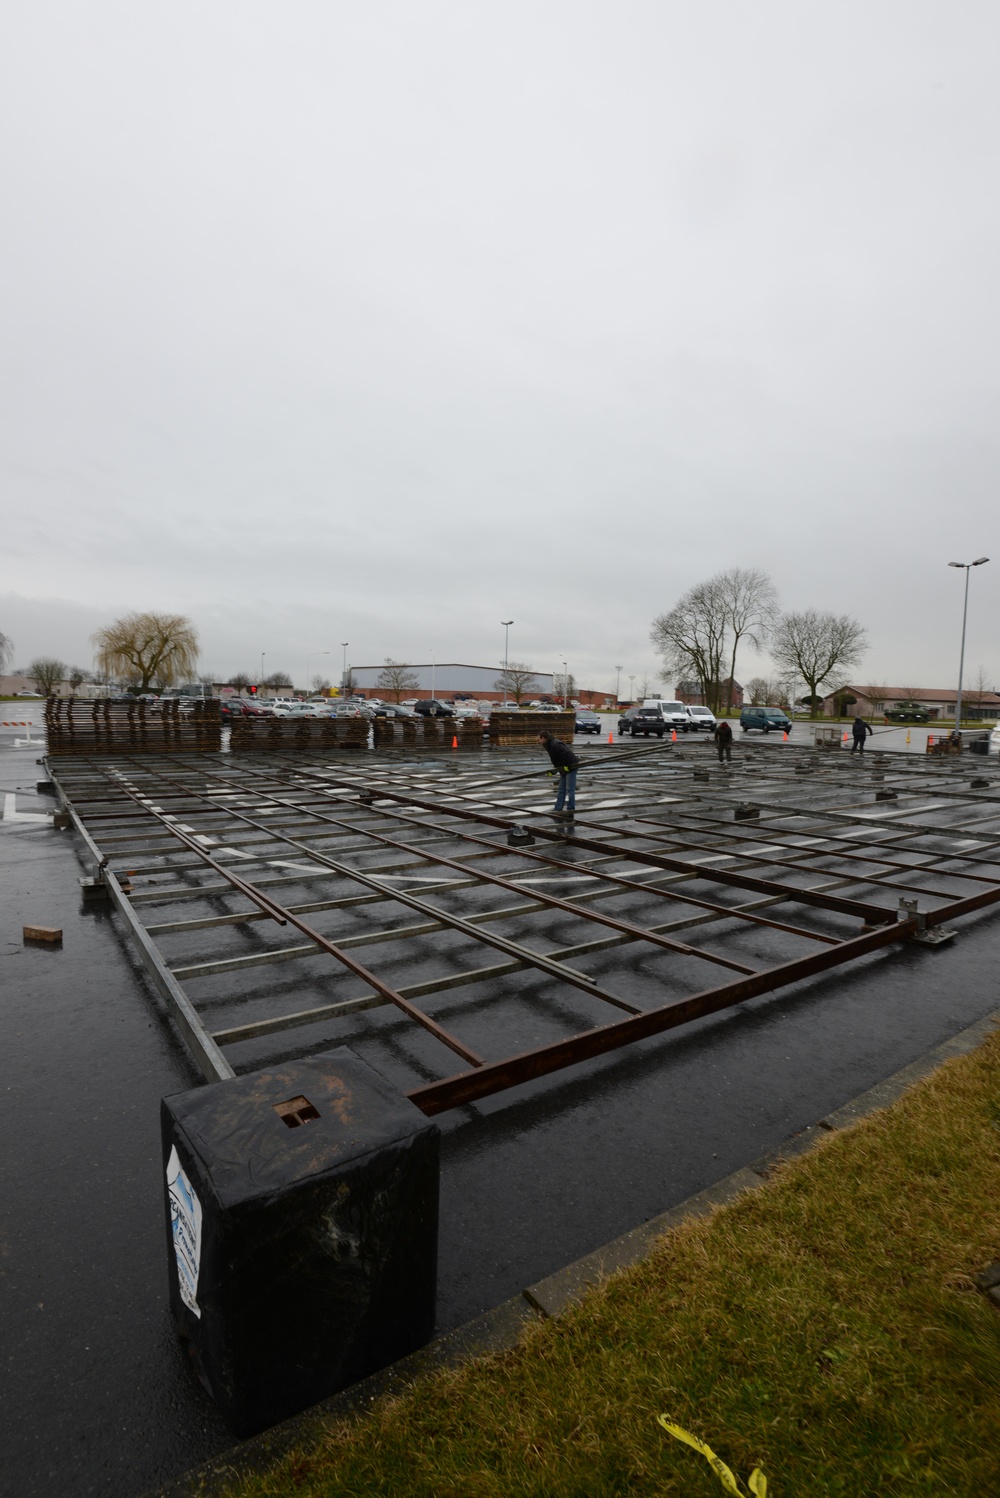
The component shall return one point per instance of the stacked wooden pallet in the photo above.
(292, 735)
(524, 727)
(444, 733)
(92, 726)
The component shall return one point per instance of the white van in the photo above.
(674, 714)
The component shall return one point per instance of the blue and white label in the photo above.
(185, 1229)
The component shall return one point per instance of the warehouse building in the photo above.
(452, 679)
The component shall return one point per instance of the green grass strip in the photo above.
(826, 1329)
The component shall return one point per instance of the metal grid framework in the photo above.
(274, 900)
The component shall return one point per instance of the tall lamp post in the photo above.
(308, 659)
(631, 689)
(506, 635)
(262, 654)
(565, 682)
(967, 566)
(343, 680)
(618, 678)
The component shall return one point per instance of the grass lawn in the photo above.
(826, 1329)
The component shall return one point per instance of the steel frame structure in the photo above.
(409, 859)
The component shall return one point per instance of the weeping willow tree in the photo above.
(141, 649)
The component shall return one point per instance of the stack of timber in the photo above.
(78, 725)
(432, 732)
(289, 735)
(524, 727)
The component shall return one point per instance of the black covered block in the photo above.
(302, 1220)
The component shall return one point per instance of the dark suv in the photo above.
(431, 707)
(643, 721)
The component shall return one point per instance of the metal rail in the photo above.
(441, 819)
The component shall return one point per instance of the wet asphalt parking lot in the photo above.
(96, 1398)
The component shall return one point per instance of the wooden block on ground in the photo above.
(43, 933)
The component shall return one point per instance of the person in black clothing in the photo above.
(566, 765)
(723, 737)
(860, 731)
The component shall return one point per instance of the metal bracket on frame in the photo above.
(928, 936)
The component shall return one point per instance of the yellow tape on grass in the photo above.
(757, 1482)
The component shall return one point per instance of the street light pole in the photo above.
(343, 676)
(967, 566)
(506, 634)
(618, 678)
(631, 689)
(308, 659)
(565, 683)
(262, 654)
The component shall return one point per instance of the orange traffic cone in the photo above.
(611, 738)
(454, 741)
(786, 735)
(673, 734)
(930, 740)
(845, 736)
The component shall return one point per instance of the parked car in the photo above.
(642, 721)
(701, 717)
(433, 707)
(767, 719)
(586, 721)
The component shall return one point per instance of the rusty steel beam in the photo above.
(497, 1076)
(286, 917)
(872, 915)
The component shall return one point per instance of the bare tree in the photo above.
(817, 645)
(6, 651)
(702, 633)
(321, 684)
(142, 648)
(277, 679)
(396, 677)
(241, 680)
(516, 680)
(750, 607)
(973, 697)
(75, 675)
(692, 638)
(758, 691)
(47, 673)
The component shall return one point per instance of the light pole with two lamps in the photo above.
(967, 566)
(343, 680)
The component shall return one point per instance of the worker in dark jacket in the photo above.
(566, 765)
(860, 731)
(723, 737)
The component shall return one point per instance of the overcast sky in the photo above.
(383, 322)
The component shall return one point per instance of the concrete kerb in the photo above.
(499, 1330)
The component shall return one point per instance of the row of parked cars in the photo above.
(660, 717)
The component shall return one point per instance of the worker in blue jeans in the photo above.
(566, 765)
